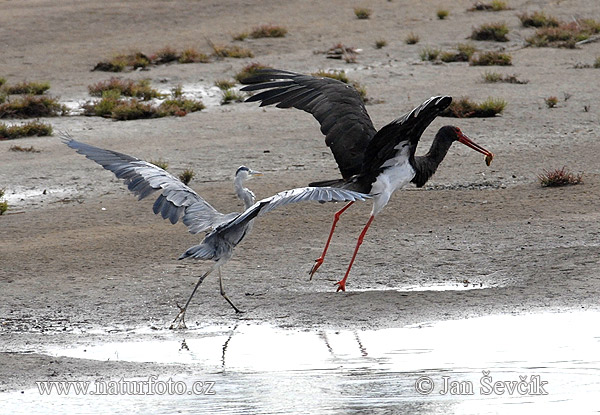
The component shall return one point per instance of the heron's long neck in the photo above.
(244, 194)
(425, 166)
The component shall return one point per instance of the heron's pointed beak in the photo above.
(469, 143)
(255, 173)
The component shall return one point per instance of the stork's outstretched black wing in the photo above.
(337, 107)
(404, 131)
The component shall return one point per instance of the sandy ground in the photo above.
(92, 258)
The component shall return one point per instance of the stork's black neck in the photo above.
(425, 166)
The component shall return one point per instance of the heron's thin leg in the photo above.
(319, 261)
(342, 283)
(181, 315)
(237, 310)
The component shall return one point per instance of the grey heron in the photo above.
(178, 201)
(370, 161)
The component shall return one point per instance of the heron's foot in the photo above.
(238, 311)
(341, 285)
(315, 267)
(179, 322)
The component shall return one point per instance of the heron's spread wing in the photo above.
(337, 106)
(301, 194)
(404, 131)
(143, 179)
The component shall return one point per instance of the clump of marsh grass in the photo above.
(3, 204)
(20, 149)
(186, 176)
(126, 87)
(495, 77)
(191, 55)
(362, 13)
(565, 35)
(232, 51)
(491, 31)
(559, 177)
(230, 95)
(493, 6)
(249, 70)
(429, 54)
(463, 53)
(465, 108)
(551, 101)
(380, 43)
(491, 58)
(31, 106)
(268, 31)
(442, 14)
(29, 129)
(119, 63)
(32, 88)
(224, 84)
(538, 19)
(160, 163)
(411, 39)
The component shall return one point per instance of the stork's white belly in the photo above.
(398, 174)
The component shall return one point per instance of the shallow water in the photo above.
(432, 368)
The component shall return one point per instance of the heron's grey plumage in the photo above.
(178, 201)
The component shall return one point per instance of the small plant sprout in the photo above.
(597, 62)
(411, 39)
(186, 176)
(380, 43)
(465, 108)
(559, 177)
(442, 14)
(551, 101)
(492, 31)
(362, 13)
(29, 129)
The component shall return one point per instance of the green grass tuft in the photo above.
(495, 77)
(463, 54)
(29, 129)
(492, 31)
(191, 55)
(465, 108)
(551, 101)
(442, 14)
(565, 35)
(224, 84)
(160, 163)
(411, 39)
(362, 13)
(19, 149)
(3, 205)
(229, 96)
(380, 43)
(429, 54)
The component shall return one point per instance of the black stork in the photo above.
(371, 161)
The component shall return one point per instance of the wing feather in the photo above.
(143, 179)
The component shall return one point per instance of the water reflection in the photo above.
(263, 369)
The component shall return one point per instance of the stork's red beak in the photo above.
(469, 143)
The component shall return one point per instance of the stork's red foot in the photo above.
(316, 265)
(341, 285)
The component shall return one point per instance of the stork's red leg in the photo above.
(342, 283)
(319, 261)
